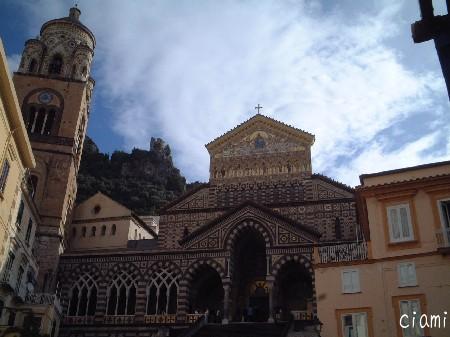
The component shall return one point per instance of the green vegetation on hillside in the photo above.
(141, 180)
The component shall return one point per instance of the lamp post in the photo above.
(318, 326)
(436, 28)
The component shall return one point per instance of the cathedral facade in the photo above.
(241, 247)
(244, 240)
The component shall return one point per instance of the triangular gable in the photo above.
(282, 231)
(326, 188)
(100, 206)
(197, 198)
(260, 122)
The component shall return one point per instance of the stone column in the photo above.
(226, 304)
(270, 286)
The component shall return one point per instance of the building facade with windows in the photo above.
(406, 217)
(20, 305)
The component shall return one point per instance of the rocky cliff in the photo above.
(141, 180)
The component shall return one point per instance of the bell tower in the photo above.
(54, 88)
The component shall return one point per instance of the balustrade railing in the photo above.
(192, 318)
(160, 319)
(79, 320)
(43, 298)
(443, 238)
(119, 319)
(302, 315)
(342, 252)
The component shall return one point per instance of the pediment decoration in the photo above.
(198, 200)
(325, 188)
(259, 130)
(280, 231)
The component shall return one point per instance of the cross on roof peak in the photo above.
(258, 107)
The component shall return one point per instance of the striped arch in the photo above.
(306, 263)
(170, 266)
(83, 296)
(128, 267)
(68, 278)
(195, 266)
(122, 289)
(296, 258)
(247, 224)
(233, 235)
(187, 278)
(162, 287)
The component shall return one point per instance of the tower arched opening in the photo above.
(293, 290)
(206, 290)
(250, 294)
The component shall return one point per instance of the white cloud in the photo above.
(13, 62)
(190, 71)
(375, 158)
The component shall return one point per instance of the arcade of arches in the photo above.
(250, 292)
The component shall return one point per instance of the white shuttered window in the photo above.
(400, 225)
(411, 309)
(407, 274)
(355, 325)
(350, 281)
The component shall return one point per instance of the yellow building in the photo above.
(15, 156)
(398, 283)
(20, 306)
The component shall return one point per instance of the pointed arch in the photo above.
(32, 66)
(122, 295)
(248, 224)
(121, 291)
(56, 64)
(162, 292)
(83, 297)
(208, 268)
(305, 263)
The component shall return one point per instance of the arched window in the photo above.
(162, 292)
(83, 231)
(103, 230)
(41, 120)
(32, 67)
(83, 298)
(32, 185)
(74, 232)
(122, 295)
(337, 228)
(74, 71)
(113, 229)
(135, 234)
(50, 118)
(93, 230)
(56, 64)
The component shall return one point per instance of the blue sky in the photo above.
(188, 71)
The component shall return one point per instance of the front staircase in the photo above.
(242, 330)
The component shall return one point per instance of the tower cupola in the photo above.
(64, 49)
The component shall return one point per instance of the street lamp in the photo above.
(318, 325)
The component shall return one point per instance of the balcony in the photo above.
(160, 319)
(192, 318)
(79, 320)
(43, 299)
(443, 240)
(118, 319)
(343, 252)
